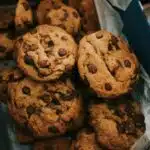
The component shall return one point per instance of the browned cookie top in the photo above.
(23, 16)
(46, 53)
(65, 17)
(44, 7)
(105, 61)
(118, 124)
(47, 109)
(86, 140)
(60, 143)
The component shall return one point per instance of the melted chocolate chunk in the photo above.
(92, 68)
(53, 129)
(50, 43)
(30, 110)
(44, 64)
(26, 90)
(45, 98)
(65, 16)
(64, 38)
(2, 49)
(108, 87)
(28, 60)
(62, 52)
(26, 6)
(75, 14)
(127, 63)
(99, 35)
(55, 102)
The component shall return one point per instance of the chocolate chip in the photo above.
(108, 86)
(92, 68)
(114, 39)
(26, 90)
(28, 60)
(99, 35)
(43, 64)
(53, 129)
(45, 97)
(55, 102)
(127, 63)
(69, 95)
(139, 120)
(62, 52)
(26, 6)
(58, 112)
(30, 110)
(65, 17)
(50, 43)
(121, 128)
(2, 49)
(75, 14)
(110, 47)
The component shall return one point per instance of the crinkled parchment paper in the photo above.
(111, 21)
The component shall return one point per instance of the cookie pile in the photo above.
(68, 89)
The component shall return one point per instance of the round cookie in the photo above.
(47, 110)
(85, 141)
(46, 53)
(8, 75)
(44, 7)
(6, 45)
(60, 143)
(23, 16)
(117, 124)
(65, 17)
(106, 63)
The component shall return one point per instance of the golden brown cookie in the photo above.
(46, 53)
(6, 45)
(49, 109)
(23, 15)
(65, 17)
(107, 64)
(60, 143)
(44, 7)
(117, 124)
(85, 141)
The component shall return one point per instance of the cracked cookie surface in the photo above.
(46, 53)
(47, 110)
(117, 124)
(106, 63)
(65, 17)
(86, 140)
(23, 15)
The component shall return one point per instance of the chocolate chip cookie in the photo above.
(6, 45)
(48, 109)
(60, 143)
(85, 141)
(65, 17)
(117, 124)
(23, 16)
(24, 136)
(8, 75)
(44, 7)
(107, 64)
(46, 53)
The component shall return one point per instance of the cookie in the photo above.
(44, 7)
(65, 17)
(6, 17)
(23, 16)
(60, 143)
(85, 141)
(6, 45)
(24, 136)
(46, 53)
(107, 64)
(48, 109)
(8, 75)
(117, 124)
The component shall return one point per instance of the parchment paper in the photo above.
(110, 20)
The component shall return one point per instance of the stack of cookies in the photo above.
(68, 89)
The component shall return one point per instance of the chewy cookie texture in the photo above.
(46, 109)
(107, 64)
